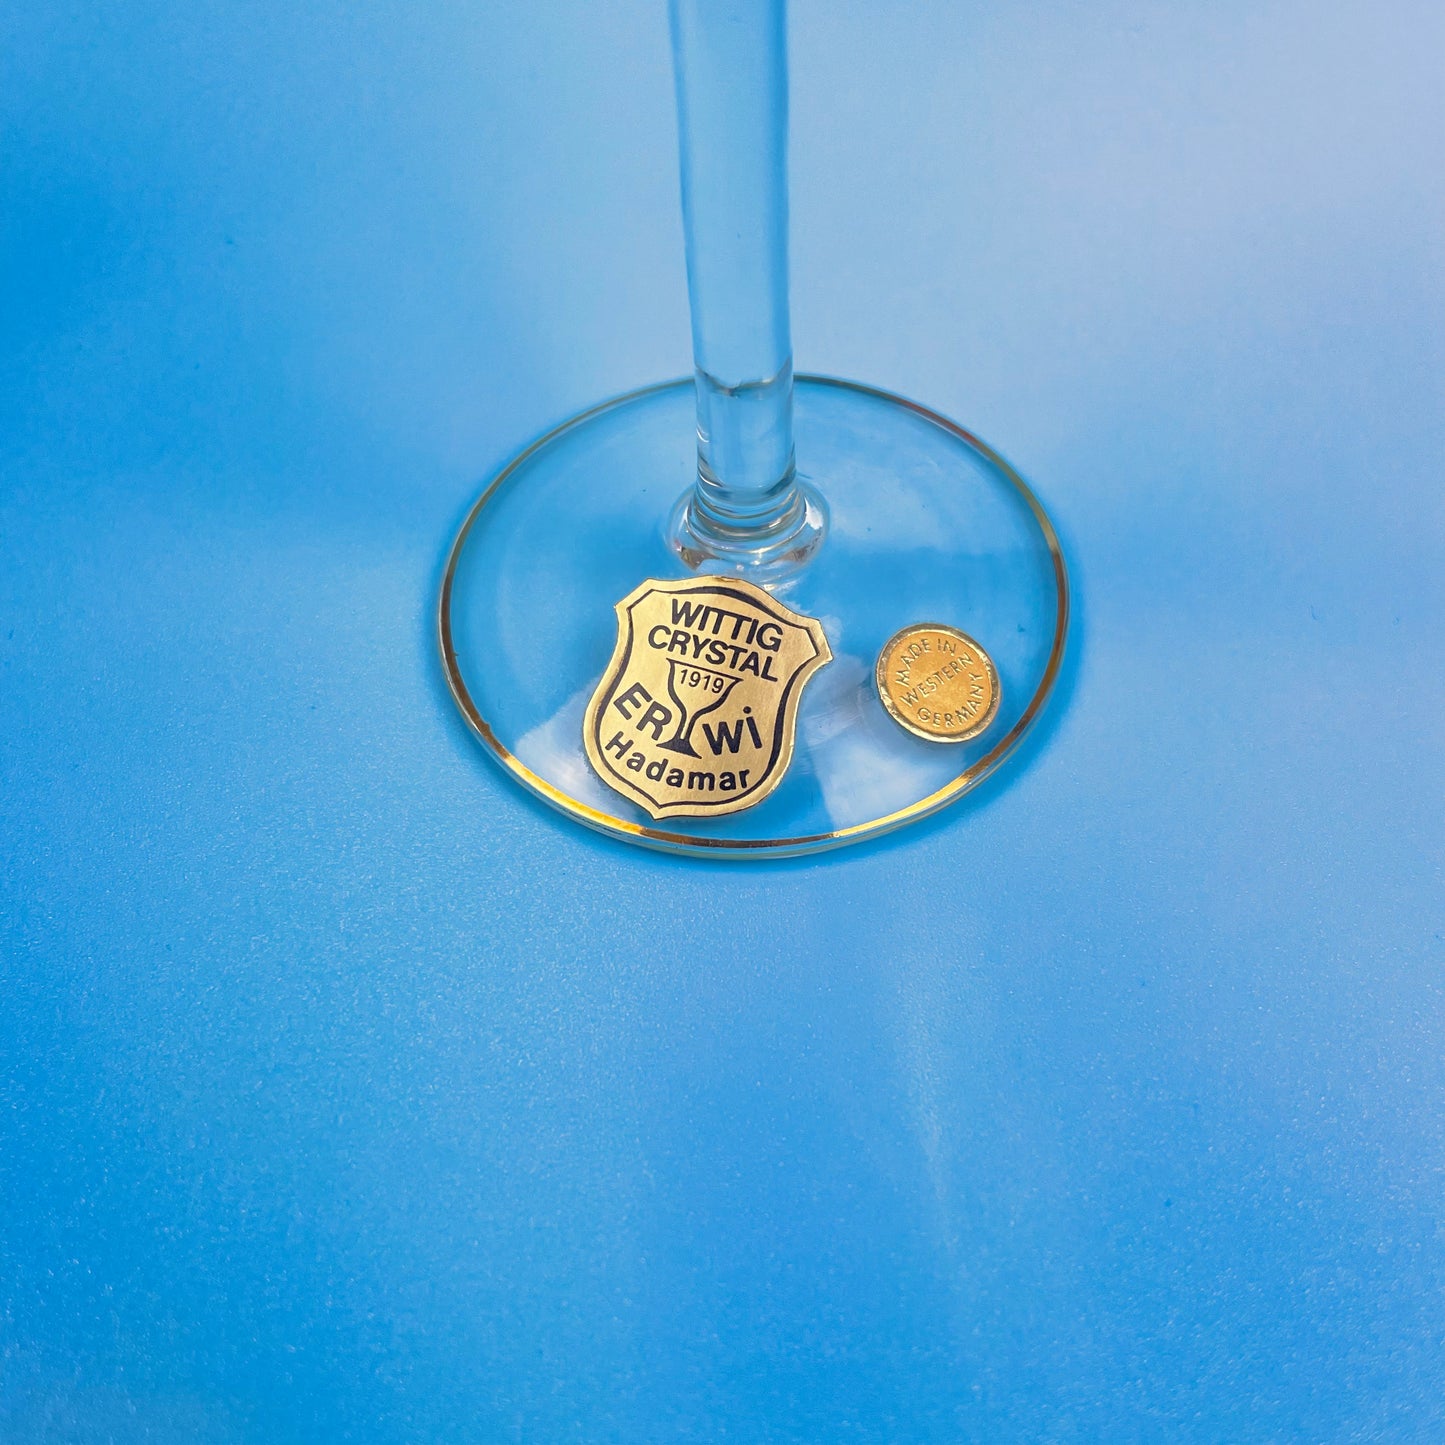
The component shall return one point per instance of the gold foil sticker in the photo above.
(938, 683)
(696, 711)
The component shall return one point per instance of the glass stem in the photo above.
(730, 63)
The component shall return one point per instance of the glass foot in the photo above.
(925, 525)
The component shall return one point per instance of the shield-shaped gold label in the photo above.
(695, 713)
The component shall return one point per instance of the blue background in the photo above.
(347, 1094)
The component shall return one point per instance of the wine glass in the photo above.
(843, 513)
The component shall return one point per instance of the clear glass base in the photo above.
(925, 525)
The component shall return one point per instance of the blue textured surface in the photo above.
(345, 1094)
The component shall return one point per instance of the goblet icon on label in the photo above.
(697, 691)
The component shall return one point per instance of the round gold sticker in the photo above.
(938, 683)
